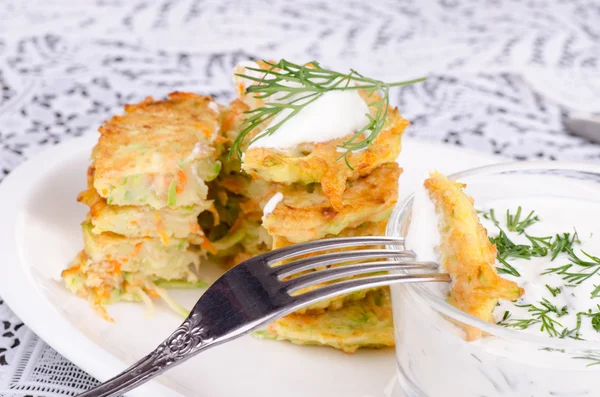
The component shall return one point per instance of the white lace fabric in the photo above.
(502, 78)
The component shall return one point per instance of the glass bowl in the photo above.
(433, 358)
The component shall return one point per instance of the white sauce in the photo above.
(271, 204)
(334, 115)
(423, 235)
(553, 219)
(434, 360)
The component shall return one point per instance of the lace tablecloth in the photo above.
(502, 78)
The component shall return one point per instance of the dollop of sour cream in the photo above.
(334, 115)
(271, 204)
(423, 235)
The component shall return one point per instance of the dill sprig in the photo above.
(539, 247)
(515, 224)
(580, 269)
(507, 249)
(545, 314)
(553, 291)
(291, 87)
(592, 356)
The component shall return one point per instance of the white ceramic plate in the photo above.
(40, 234)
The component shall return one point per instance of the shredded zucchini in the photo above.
(172, 195)
(264, 335)
(180, 284)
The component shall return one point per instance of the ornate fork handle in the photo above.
(187, 340)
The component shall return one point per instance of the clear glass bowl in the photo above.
(433, 358)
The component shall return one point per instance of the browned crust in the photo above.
(467, 254)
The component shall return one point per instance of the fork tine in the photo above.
(314, 278)
(341, 287)
(330, 243)
(335, 258)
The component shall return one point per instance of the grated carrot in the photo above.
(207, 245)
(136, 251)
(182, 179)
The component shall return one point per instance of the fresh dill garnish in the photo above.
(596, 322)
(505, 317)
(596, 292)
(507, 269)
(291, 87)
(593, 316)
(515, 224)
(507, 249)
(542, 314)
(553, 291)
(540, 244)
(588, 266)
(592, 356)
(539, 247)
(563, 243)
(490, 215)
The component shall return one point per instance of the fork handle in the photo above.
(187, 340)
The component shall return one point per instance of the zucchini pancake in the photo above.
(301, 154)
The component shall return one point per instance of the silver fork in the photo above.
(255, 292)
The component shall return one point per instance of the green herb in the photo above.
(489, 215)
(520, 323)
(505, 317)
(596, 292)
(553, 291)
(297, 86)
(180, 284)
(596, 322)
(264, 335)
(588, 266)
(541, 314)
(515, 224)
(592, 356)
(507, 269)
(507, 249)
(540, 244)
(172, 193)
(563, 243)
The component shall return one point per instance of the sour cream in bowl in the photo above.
(544, 218)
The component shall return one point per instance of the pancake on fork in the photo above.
(466, 253)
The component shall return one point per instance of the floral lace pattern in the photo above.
(502, 77)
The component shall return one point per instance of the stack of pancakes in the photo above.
(306, 194)
(147, 184)
(163, 192)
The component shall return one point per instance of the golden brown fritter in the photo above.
(364, 229)
(314, 162)
(305, 213)
(336, 303)
(145, 255)
(320, 162)
(141, 221)
(466, 254)
(362, 323)
(159, 153)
